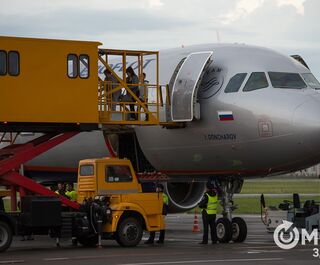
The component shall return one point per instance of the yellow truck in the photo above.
(112, 206)
(124, 209)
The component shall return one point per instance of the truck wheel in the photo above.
(89, 241)
(224, 230)
(5, 236)
(129, 232)
(239, 229)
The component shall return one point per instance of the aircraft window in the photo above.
(72, 66)
(13, 63)
(84, 66)
(86, 170)
(311, 80)
(286, 80)
(3, 63)
(118, 174)
(256, 81)
(235, 83)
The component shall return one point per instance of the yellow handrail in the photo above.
(137, 105)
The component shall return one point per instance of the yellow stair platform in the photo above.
(75, 84)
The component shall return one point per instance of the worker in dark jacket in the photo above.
(208, 204)
(160, 189)
(61, 189)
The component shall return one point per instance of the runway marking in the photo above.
(107, 256)
(268, 251)
(269, 245)
(55, 259)
(259, 243)
(203, 261)
(264, 236)
(11, 261)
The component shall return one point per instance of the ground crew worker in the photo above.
(113, 81)
(132, 78)
(71, 193)
(208, 204)
(61, 189)
(160, 189)
(143, 93)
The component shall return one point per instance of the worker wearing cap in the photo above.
(160, 189)
(208, 204)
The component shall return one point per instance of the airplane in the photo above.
(246, 111)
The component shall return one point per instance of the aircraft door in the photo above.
(184, 105)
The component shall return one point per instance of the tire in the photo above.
(224, 230)
(5, 236)
(239, 230)
(129, 232)
(89, 241)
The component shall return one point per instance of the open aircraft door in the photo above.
(184, 105)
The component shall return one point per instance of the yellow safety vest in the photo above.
(212, 204)
(72, 195)
(165, 198)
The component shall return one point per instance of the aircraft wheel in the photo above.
(5, 236)
(224, 230)
(129, 232)
(239, 229)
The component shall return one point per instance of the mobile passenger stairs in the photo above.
(58, 88)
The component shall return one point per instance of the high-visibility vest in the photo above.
(212, 204)
(165, 198)
(72, 195)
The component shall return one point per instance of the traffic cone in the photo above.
(196, 227)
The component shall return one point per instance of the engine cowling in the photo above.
(184, 196)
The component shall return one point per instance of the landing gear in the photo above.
(228, 228)
(239, 229)
(224, 230)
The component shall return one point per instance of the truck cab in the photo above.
(126, 210)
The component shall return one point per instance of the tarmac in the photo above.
(181, 247)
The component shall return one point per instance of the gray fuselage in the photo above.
(273, 130)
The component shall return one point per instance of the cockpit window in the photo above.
(235, 83)
(311, 80)
(286, 80)
(256, 81)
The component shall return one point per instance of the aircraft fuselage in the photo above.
(254, 132)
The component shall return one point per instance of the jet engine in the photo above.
(184, 196)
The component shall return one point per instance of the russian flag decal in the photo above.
(225, 115)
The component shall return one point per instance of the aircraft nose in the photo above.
(306, 124)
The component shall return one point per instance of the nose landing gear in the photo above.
(228, 228)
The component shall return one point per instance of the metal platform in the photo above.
(58, 86)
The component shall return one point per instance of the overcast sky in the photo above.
(289, 26)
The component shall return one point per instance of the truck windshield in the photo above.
(86, 170)
(286, 80)
(311, 81)
(118, 174)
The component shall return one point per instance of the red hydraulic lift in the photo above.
(14, 155)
